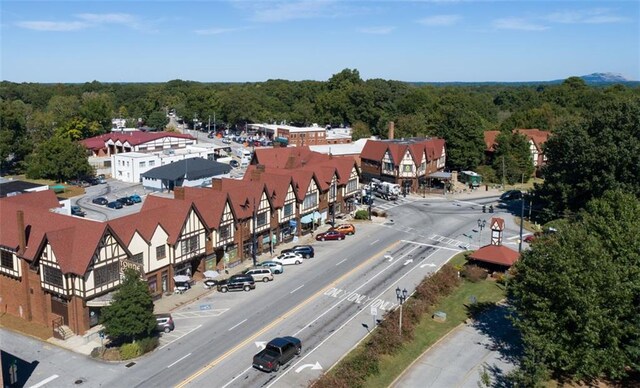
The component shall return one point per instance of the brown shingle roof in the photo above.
(496, 254)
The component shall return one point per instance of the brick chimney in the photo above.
(22, 233)
(216, 184)
(255, 174)
(392, 128)
(291, 162)
(178, 193)
(260, 167)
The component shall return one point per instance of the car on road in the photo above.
(234, 164)
(511, 195)
(276, 268)
(77, 211)
(330, 235)
(164, 322)
(278, 352)
(305, 251)
(288, 259)
(259, 274)
(125, 201)
(115, 205)
(237, 282)
(100, 201)
(345, 228)
(135, 198)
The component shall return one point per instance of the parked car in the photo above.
(288, 259)
(234, 163)
(330, 235)
(164, 322)
(125, 201)
(259, 274)
(510, 195)
(100, 201)
(237, 282)
(135, 198)
(101, 179)
(93, 181)
(305, 251)
(278, 352)
(226, 140)
(345, 228)
(276, 268)
(77, 211)
(114, 205)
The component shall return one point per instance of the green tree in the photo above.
(97, 109)
(360, 130)
(157, 119)
(512, 158)
(58, 158)
(576, 294)
(463, 133)
(130, 316)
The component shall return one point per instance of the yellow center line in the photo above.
(277, 321)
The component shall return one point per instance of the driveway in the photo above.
(490, 343)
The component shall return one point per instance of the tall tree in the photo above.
(463, 132)
(512, 158)
(58, 158)
(576, 294)
(157, 119)
(130, 316)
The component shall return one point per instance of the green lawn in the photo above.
(430, 331)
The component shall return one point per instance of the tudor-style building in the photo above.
(407, 162)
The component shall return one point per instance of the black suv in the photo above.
(125, 201)
(237, 282)
(305, 251)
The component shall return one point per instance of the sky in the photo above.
(254, 41)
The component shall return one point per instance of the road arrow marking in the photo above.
(315, 366)
(408, 261)
(261, 344)
(389, 257)
(427, 265)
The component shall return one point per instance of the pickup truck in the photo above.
(278, 351)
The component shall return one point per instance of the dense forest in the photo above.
(576, 292)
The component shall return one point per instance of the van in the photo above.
(260, 274)
(242, 153)
(164, 322)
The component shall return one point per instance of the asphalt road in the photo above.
(326, 302)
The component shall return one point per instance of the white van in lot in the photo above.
(242, 153)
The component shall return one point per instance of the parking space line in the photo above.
(167, 344)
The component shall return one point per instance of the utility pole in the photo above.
(214, 122)
(503, 172)
(521, 223)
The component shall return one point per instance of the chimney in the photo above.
(22, 232)
(178, 193)
(216, 184)
(291, 162)
(260, 167)
(255, 174)
(392, 128)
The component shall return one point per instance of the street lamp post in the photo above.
(481, 225)
(401, 295)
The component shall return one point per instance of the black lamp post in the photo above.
(401, 295)
(481, 225)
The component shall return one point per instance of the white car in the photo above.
(288, 258)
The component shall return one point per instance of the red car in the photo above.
(330, 235)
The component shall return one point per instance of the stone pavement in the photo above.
(86, 343)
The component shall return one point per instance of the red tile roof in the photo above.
(210, 203)
(376, 149)
(134, 138)
(537, 136)
(496, 254)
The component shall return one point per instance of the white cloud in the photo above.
(53, 26)
(216, 31)
(115, 18)
(588, 16)
(377, 30)
(518, 24)
(440, 20)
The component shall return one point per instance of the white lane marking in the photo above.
(179, 360)
(430, 245)
(365, 308)
(315, 366)
(297, 289)
(374, 241)
(237, 325)
(341, 261)
(165, 345)
(234, 379)
(45, 381)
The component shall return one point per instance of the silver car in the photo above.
(260, 274)
(276, 268)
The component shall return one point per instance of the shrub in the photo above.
(379, 213)
(148, 344)
(128, 351)
(474, 274)
(362, 215)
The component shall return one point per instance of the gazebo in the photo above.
(495, 256)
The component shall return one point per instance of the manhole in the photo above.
(129, 365)
(78, 382)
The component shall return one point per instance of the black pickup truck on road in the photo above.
(278, 352)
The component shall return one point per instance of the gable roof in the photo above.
(191, 168)
(210, 203)
(134, 138)
(496, 254)
(537, 136)
(433, 148)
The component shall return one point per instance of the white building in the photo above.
(129, 166)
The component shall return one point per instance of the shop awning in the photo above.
(310, 217)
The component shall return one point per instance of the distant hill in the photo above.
(595, 79)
